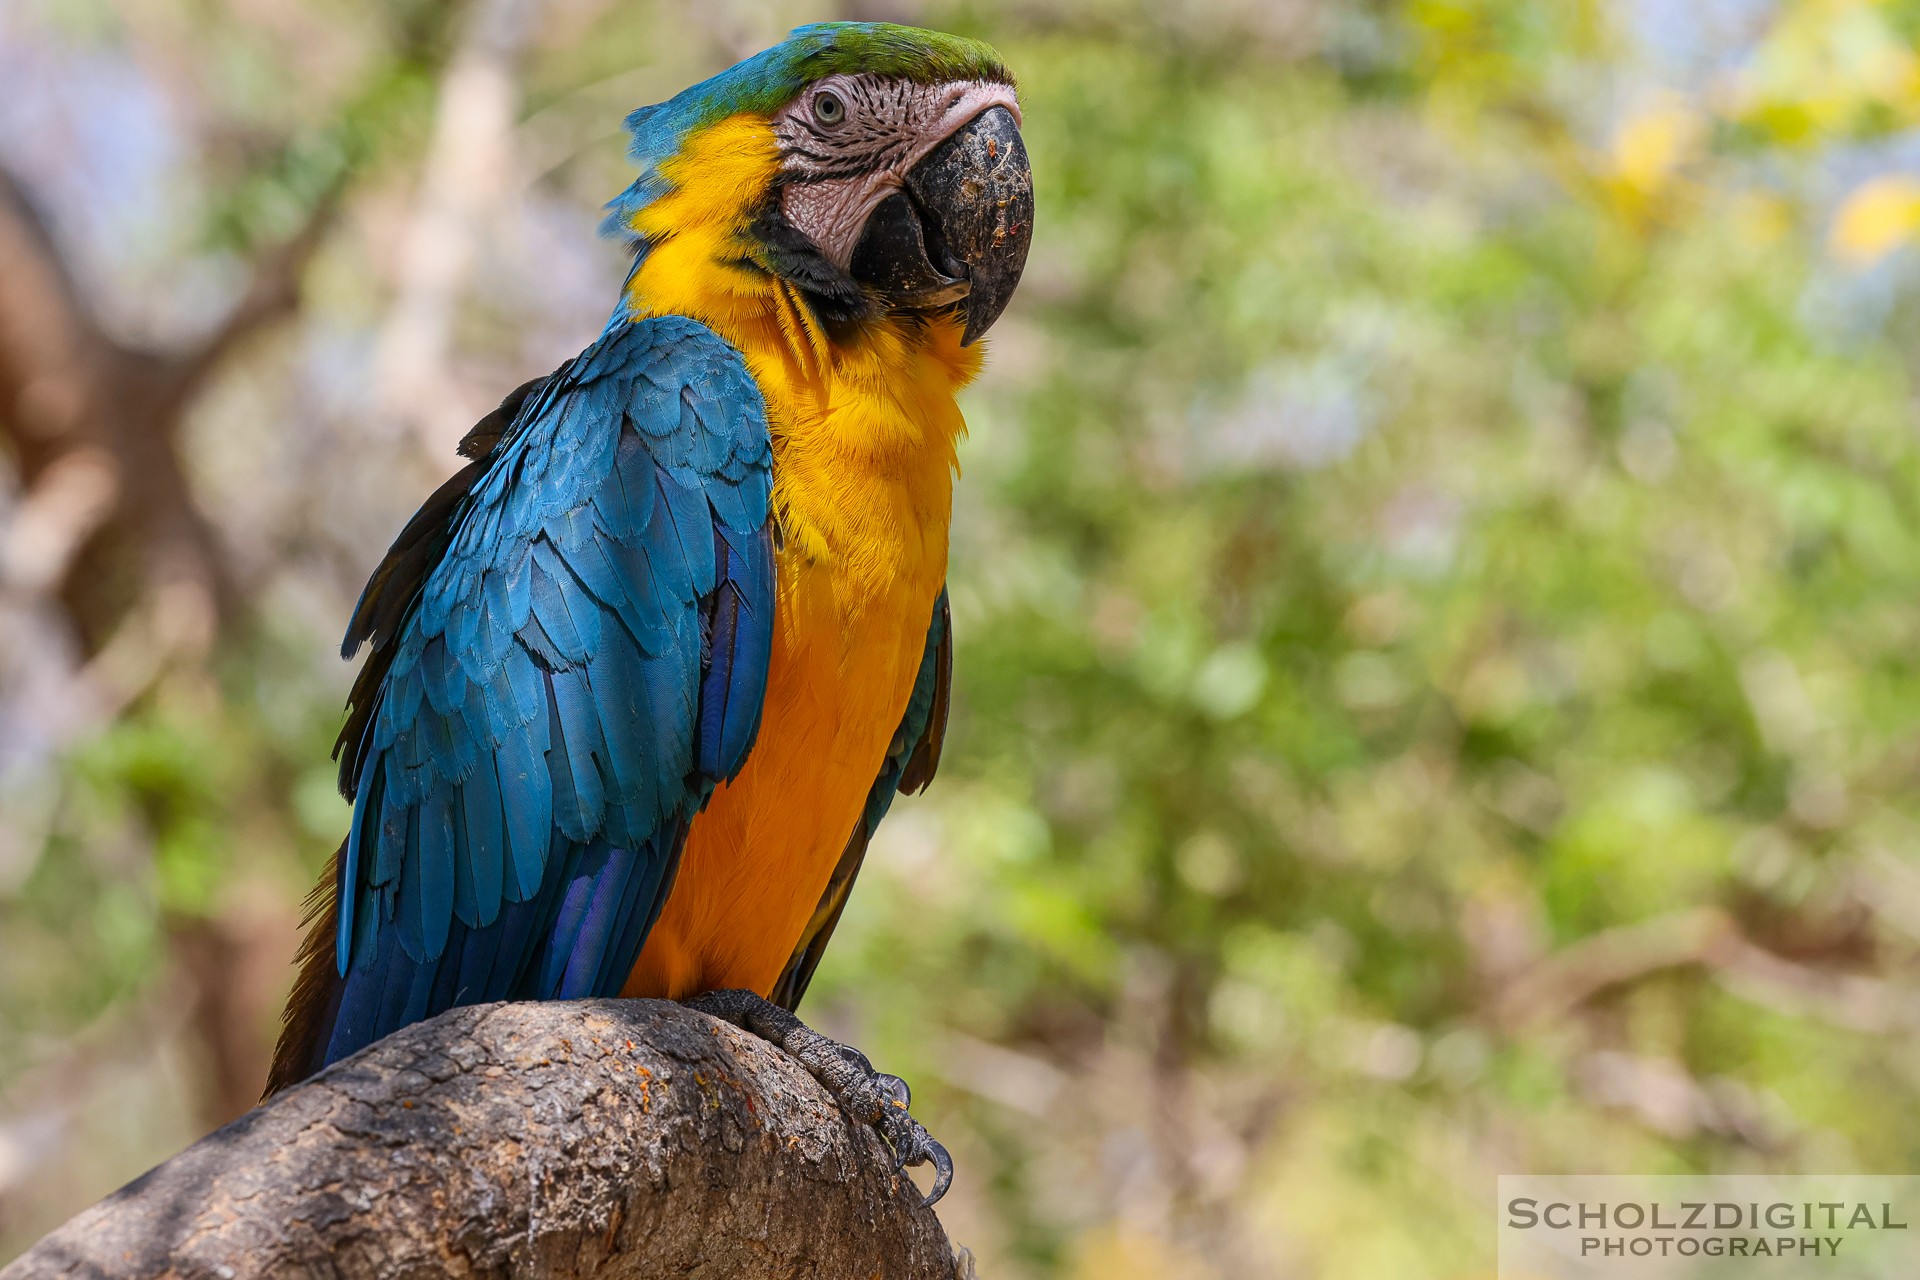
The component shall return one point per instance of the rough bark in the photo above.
(606, 1138)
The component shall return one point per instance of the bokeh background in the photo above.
(1437, 581)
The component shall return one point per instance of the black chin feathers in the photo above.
(835, 297)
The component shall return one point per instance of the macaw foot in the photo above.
(863, 1093)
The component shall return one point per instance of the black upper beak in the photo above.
(958, 233)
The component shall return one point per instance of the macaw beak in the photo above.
(957, 234)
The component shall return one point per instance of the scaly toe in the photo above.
(858, 1060)
(864, 1094)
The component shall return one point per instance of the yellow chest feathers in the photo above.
(863, 422)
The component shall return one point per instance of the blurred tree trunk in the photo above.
(108, 530)
(109, 537)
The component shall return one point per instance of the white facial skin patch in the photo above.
(849, 141)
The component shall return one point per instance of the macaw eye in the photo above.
(828, 109)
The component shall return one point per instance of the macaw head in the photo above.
(877, 168)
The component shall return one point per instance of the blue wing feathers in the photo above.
(478, 728)
(576, 898)
(688, 535)
(359, 839)
(435, 819)
(732, 506)
(580, 657)
(667, 565)
(637, 910)
(609, 878)
(483, 837)
(492, 851)
(625, 502)
(408, 887)
(525, 690)
(739, 643)
(617, 689)
(391, 839)
(527, 790)
(579, 800)
(671, 684)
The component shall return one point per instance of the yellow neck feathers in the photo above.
(864, 428)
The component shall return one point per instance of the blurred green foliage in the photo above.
(1427, 534)
(1437, 582)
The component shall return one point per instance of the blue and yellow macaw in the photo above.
(645, 674)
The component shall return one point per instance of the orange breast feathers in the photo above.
(864, 431)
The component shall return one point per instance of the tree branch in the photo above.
(48, 340)
(1710, 938)
(1576, 973)
(610, 1138)
(273, 294)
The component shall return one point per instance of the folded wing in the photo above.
(570, 648)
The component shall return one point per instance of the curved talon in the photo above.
(913, 1146)
(942, 1173)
